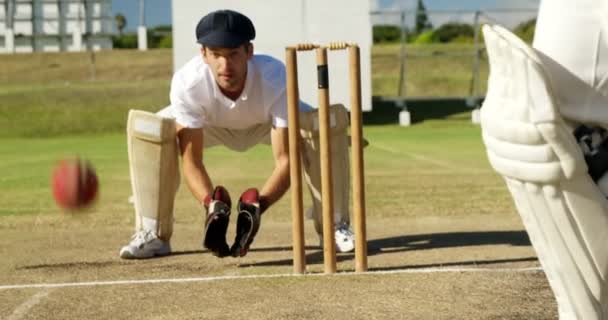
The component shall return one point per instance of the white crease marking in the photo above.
(262, 276)
(22, 310)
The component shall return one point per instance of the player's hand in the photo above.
(248, 222)
(217, 208)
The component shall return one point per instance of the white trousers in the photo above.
(244, 139)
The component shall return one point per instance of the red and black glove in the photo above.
(217, 206)
(248, 221)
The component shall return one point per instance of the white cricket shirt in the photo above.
(197, 101)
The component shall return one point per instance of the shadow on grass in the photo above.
(455, 264)
(263, 249)
(71, 265)
(374, 247)
(420, 242)
(386, 109)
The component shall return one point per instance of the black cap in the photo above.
(224, 28)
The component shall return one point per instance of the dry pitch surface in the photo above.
(430, 269)
(444, 243)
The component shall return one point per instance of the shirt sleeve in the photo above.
(186, 111)
(278, 111)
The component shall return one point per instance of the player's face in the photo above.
(229, 66)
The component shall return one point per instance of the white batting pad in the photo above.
(530, 145)
(571, 39)
(154, 170)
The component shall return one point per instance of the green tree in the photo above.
(452, 30)
(525, 30)
(427, 37)
(121, 22)
(386, 33)
(166, 42)
(126, 41)
(163, 28)
(422, 18)
(160, 37)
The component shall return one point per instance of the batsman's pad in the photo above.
(154, 169)
(530, 145)
(340, 162)
(248, 222)
(573, 56)
(217, 206)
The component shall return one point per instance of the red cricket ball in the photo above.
(74, 183)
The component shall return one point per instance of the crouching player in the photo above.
(227, 96)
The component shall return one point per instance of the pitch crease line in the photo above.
(260, 276)
(23, 309)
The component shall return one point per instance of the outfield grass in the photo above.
(439, 159)
(40, 68)
(52, 94)
(50, 109)
(438, 70)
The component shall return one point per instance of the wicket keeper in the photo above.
(228, 95)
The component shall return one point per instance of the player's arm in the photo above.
(278, 182)
(194, 172)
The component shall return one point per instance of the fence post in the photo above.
(474, 87)
(9, 34)
(142, 32)
(401, 90)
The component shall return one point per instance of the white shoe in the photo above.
(145, 244)
(344, 239)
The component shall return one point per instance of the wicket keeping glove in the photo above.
(217, 207)
(248, 221)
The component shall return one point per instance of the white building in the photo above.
(280, 23)
(55, 25)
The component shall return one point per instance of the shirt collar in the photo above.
(219, 96)
(248, 81)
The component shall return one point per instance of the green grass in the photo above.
(73, 108)
(51, 109)
(112, 65)
(443, 160)
(431, 70)
(54, 94)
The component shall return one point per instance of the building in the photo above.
(281, 23)
(55, 25)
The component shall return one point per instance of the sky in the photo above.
(158, 12)
(505, 12)
(456, 4)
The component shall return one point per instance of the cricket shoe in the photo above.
(145, 244)
(343, 237)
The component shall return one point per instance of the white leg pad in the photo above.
(154, 170)
(574, 56)
(531, 146)
(311, 162)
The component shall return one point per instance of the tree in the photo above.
(525, 30)
(454, 30)
(422, 19)
(121, 22)
(386, 33)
